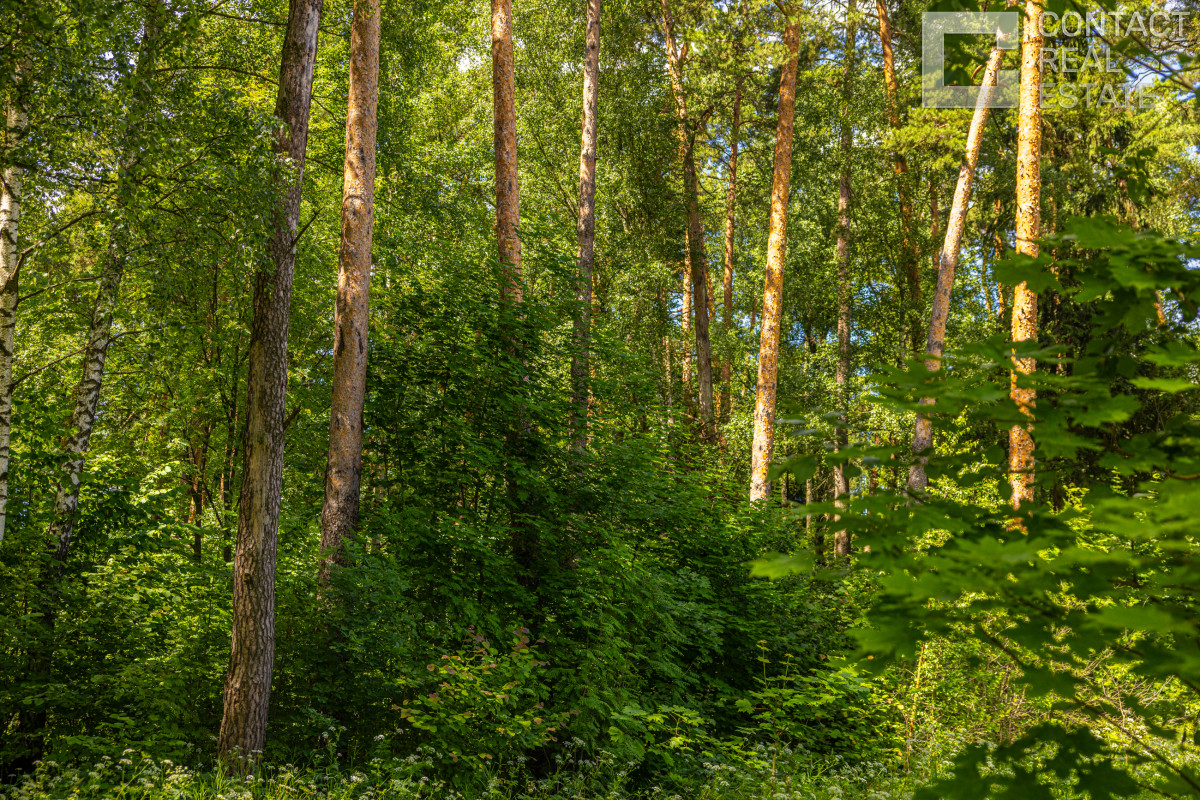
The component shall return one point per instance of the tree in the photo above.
(936, 343)
(1028, 223)
(910, 247)
(252, 649)
(763, 446)
(586, 228)
(697, 258)
(17, 119)
(841, 484)
(343, 472)
(730, 202)
(505, 139)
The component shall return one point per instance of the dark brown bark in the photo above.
(841, 484)
(763, 446)
(252, 649)
(505, 145)
(343, 472)
(586, 226)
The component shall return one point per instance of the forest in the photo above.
(599, 399)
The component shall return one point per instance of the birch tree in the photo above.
(16, 121)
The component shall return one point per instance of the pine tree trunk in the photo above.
(841, 484)
(763, 446)
(252, 649)
(727, 304)
(936, 342)
(1028, 223)
(343, 473)
(910, 249)
(586, 228)
(17, 119)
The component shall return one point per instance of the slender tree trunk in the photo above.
(252, 649)
(343, 473)
(910, 250)
(586, 227)
(841, 484)
(17, 119)
(685, 324)
(668, 383)
(727, 304)
(936, 343)
(763, 446)
(505, 139)
(695, 239)
(1028, 223)
(87, 392)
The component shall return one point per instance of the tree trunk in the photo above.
(910, 252)
(936, 341)
(685, 324)
(505, 139)
(586, 227)
(698, 261)
(1028, 223)
(841, 484)
(17, 119)
(343, 472)
(252, 650)
(727, 305)
(763, 447)
(87, 392)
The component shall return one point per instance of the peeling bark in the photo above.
(586, 227)
(252, 648)
(763, 446)
(935, 344)
(1028, 224)
(351, 322)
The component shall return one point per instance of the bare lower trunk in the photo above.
(841, 484)
(727, 304)
(936, 341)
(1028, 223)
(17, 119)
(763, 446)
(685, 323)
(586, 227)
(252, 649)
(343, 473)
